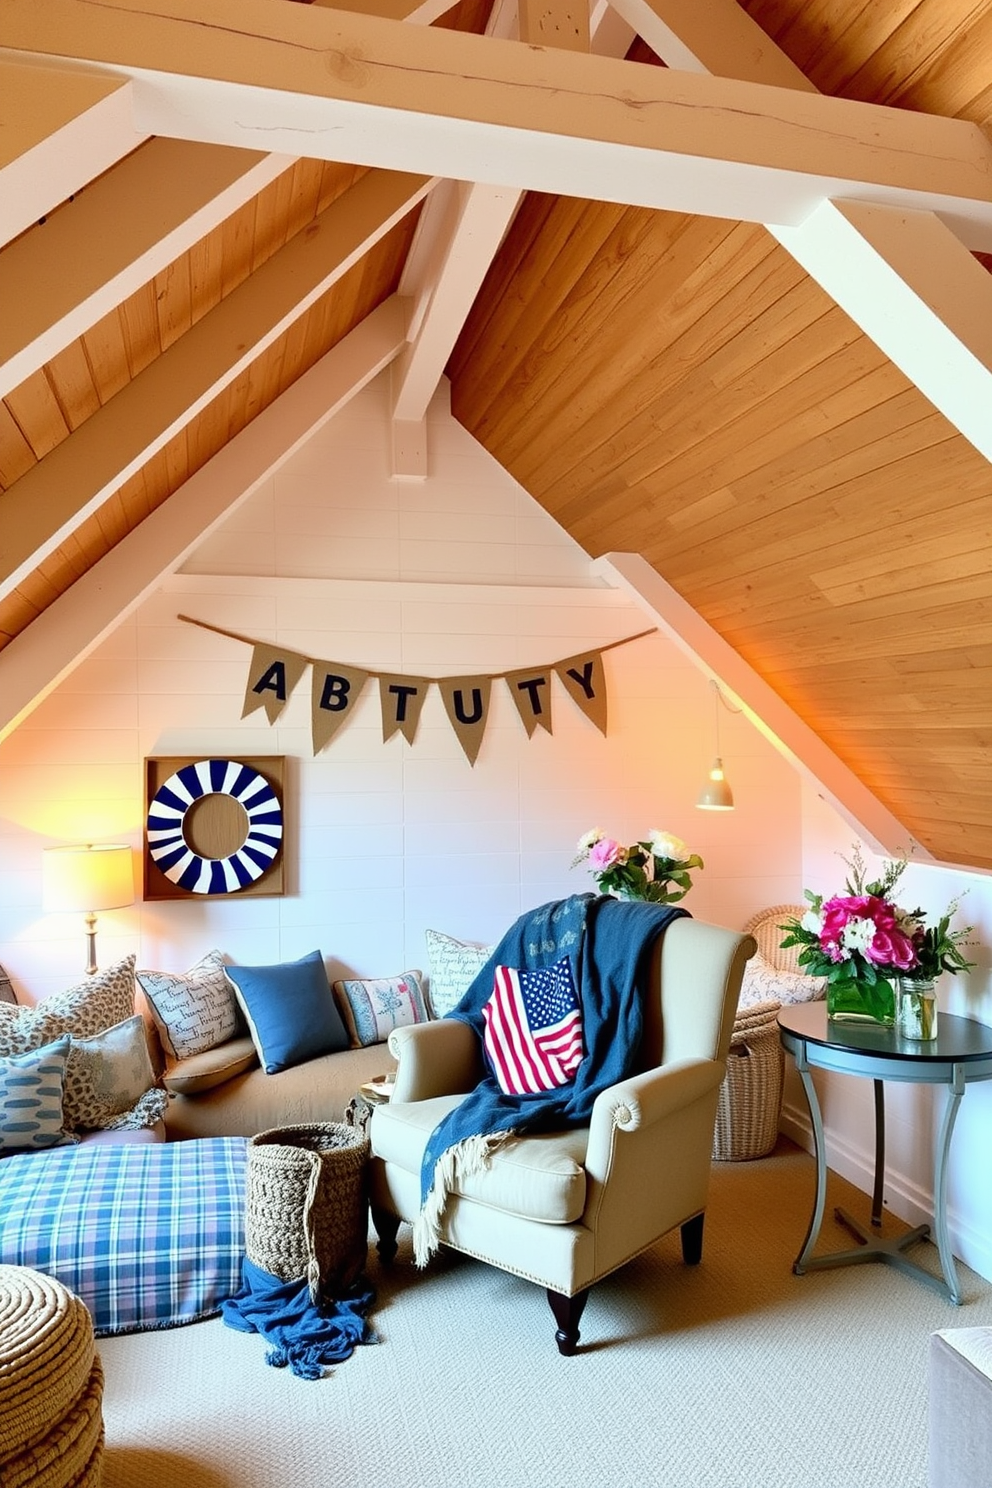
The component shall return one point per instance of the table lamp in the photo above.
(86, 879)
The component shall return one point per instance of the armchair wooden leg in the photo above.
(386, 1227)
(567, 1311)
(692, 1240)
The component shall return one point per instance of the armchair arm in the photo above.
(437, 1058)
(642, 1100)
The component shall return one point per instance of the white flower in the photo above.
(812, 921)
(589, 839)
(857, 935)
(665, 845)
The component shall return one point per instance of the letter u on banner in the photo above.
(334, 692)
(466, 702)
(584, 680)
(273, 674)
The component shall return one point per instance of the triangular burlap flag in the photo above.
(584, 679)
(531, 691)
(334, 693)
(466, 702)
(273, 674)
(401, 700)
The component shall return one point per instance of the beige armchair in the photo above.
(565, 1208)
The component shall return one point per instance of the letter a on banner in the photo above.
(401, 699)
(334, 693)
(273, 675)
(531, 691)
(584, 679)
(466, 702)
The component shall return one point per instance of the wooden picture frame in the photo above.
(215, 826)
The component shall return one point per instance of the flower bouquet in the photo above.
(865, 944)
(656, 869)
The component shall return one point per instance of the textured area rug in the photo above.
(732, 1374)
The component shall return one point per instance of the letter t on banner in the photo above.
(401, 700)
(531, 692)
(335, 691)
(273, 675)
(584, 680)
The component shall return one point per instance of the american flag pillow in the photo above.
(533, 1028)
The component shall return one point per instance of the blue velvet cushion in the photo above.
(290, 1010)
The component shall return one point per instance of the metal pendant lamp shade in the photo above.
(716, 794)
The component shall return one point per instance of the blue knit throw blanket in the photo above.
(301, 1334)
(608, 943)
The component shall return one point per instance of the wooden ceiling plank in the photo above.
(16, 454)
(478, 107)
(59, 128)
(33, 664)
(116, 235)
(106, 354)
(37, 412)
(50, 500)
(711, 36)
(72, 384)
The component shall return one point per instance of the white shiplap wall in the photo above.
(459, 573)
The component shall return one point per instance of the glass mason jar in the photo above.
(916, 1008)
(851, 1001)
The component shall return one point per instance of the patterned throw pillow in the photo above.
(763, 982)
(193, 1010)
(533, 1028)
(107, 1075)
(454, 965)
(105, 998)
(6, 989)
(31, 1098)
(373, 1007)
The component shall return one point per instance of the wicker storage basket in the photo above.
(751, 1094)
(306, 1205)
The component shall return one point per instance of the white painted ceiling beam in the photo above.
(54, 497)
(336, 86)
(59, 128)
(772, 718)
(60, 279)
(34, 663)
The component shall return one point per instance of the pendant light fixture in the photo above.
(716, 794)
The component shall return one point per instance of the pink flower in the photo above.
(865, 923)
(606, 853)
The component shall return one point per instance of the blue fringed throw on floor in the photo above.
(303, 1336)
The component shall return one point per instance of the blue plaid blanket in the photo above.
(148, 1236)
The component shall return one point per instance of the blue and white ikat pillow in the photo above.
(31, 1098)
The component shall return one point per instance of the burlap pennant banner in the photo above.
(584, 679)
(466, 702)
(334, 692)
(273, 674)
(401, 700)
(531, 692)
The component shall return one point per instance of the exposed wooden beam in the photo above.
(557, 23)
(33, 664)
(712, 36)
(773, 718)
(59, 128)
(58, 280)
(39, 511)
(352, 87)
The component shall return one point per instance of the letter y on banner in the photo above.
(584, 679)
(273, 675)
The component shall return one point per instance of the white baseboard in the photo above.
(901, 1196)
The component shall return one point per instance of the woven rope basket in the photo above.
(751, 1093)
(306, 1211)
(51, 1385)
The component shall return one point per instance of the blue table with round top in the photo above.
(961, 1053)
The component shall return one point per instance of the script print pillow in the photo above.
(454, 966)
(193, 1010)
(533, 1028)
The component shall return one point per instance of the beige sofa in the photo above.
(226, 1093)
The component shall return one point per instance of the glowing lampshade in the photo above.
(82, 880)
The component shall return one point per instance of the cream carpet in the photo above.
(735, 1373)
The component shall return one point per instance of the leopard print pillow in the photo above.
(106, 1075)
(104, 999)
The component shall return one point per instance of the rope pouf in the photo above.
(306, 1204)
(51, 1385)
(751, 1093)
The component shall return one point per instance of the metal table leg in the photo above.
(954, 1093)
